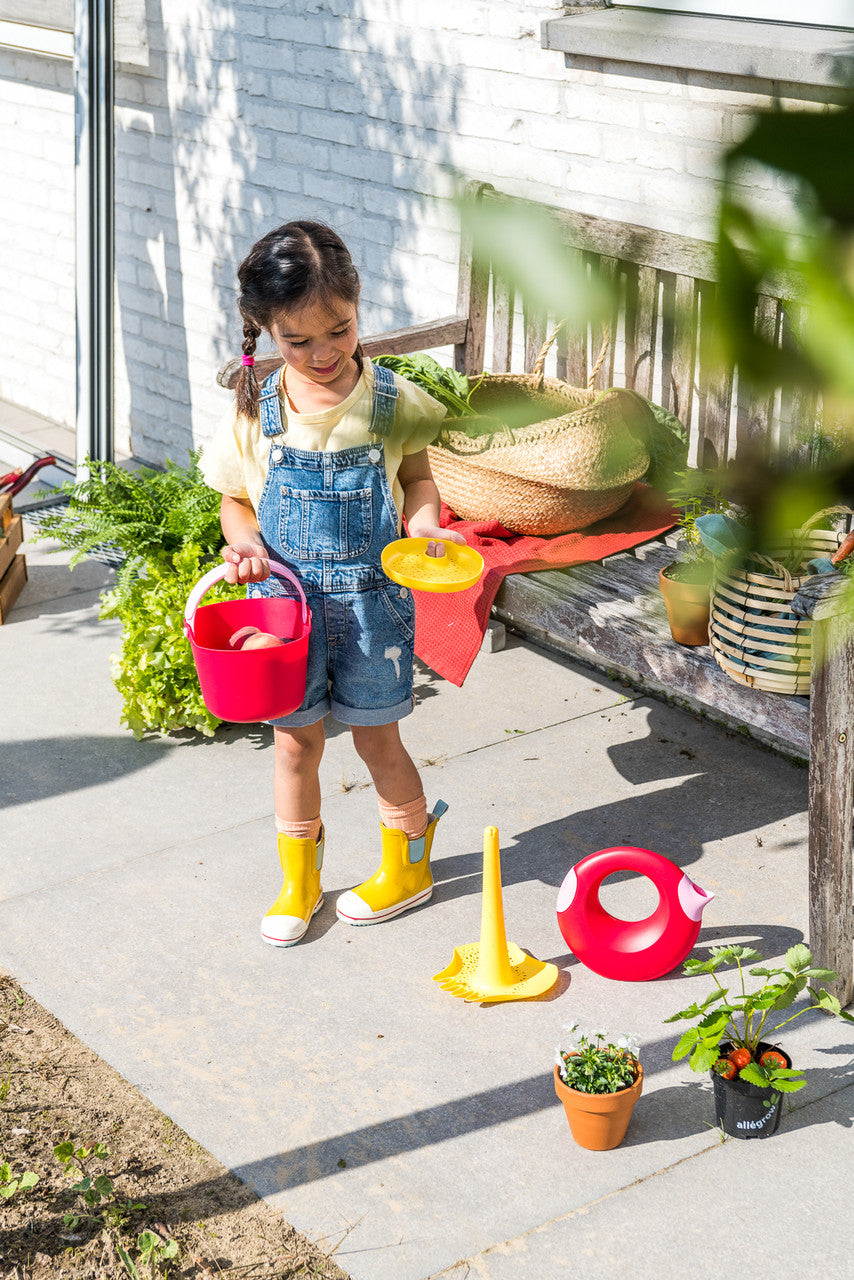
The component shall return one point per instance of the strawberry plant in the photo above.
(741, 1018)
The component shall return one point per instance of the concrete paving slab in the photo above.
(759, 1207)
(335, 1077)
(64, 743)
(292, 1062)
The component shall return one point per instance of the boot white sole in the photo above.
(354, 910)
(286, 931)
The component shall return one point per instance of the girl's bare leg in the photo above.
(296, 781)
(394, 775)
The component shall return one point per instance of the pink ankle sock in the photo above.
(410, 818)
(309, 830)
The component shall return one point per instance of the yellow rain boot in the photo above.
(288, 918)
(402, 881)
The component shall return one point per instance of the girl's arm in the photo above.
(421, 501)
(245, 556)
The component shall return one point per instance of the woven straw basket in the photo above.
(753, 634)
(574, 461)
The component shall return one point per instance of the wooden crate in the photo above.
(11, 585)
(13, 567)
(11, 539)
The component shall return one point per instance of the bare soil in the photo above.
(53, 1090)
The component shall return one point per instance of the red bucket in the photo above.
(245, 685)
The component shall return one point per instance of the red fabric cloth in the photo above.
(449, 628)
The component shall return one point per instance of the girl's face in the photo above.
(318, 340)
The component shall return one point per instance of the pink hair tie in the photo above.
(248, 359)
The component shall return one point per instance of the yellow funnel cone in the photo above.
(494, 969)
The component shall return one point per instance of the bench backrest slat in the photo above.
(663, 287)
(502, 326)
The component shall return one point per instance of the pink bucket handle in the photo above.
(216, 575)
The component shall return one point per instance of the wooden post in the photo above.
(831, 780)
(472, 293)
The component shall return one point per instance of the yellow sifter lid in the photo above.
(406, 561)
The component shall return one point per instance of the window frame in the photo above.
(822, 13)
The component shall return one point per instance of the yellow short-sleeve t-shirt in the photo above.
(235, 460)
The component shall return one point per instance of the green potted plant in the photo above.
(598, 1080)
(686, 582)
(735, 1034)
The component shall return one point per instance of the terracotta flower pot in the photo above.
(599, 1121)
(688, 608)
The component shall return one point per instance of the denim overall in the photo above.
(328, 516)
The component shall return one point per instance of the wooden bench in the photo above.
(610, 615)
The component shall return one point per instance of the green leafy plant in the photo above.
(591, 1063)
(154, 1252)
(91, 1187)
(164, 528)
(96, 1190)
(696, 494)
(141, 515)
(154, 670)
(13, 1184)
(742, 1019)
(450, 388)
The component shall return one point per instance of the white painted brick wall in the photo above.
(366, 113)
(37, 361)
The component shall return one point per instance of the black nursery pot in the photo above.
(745, 1110)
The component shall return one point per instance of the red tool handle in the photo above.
(16, 484)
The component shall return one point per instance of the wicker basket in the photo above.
(753, 634)
(572, 461)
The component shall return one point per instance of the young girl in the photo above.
(316, 468)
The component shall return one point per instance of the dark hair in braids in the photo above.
(288, 267)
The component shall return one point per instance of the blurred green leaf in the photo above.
(527, 249)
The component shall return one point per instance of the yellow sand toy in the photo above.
(494, 969)
(406, 562)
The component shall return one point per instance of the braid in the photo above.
(247, 383)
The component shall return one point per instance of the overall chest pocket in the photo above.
(323, 525)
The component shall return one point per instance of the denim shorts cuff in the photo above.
(302, 718)
(371, 715)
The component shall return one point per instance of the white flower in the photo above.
(572, 1036)
(599, 1035)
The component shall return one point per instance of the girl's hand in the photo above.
(441, 536)
(422, 502)
(245, 562)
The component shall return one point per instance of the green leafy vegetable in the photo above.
(155, 672)
(164, 526)
(447, 386)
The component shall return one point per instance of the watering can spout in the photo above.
(692, 899)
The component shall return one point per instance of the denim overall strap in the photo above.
(270, 409)
(385, 397)
(328, 514)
